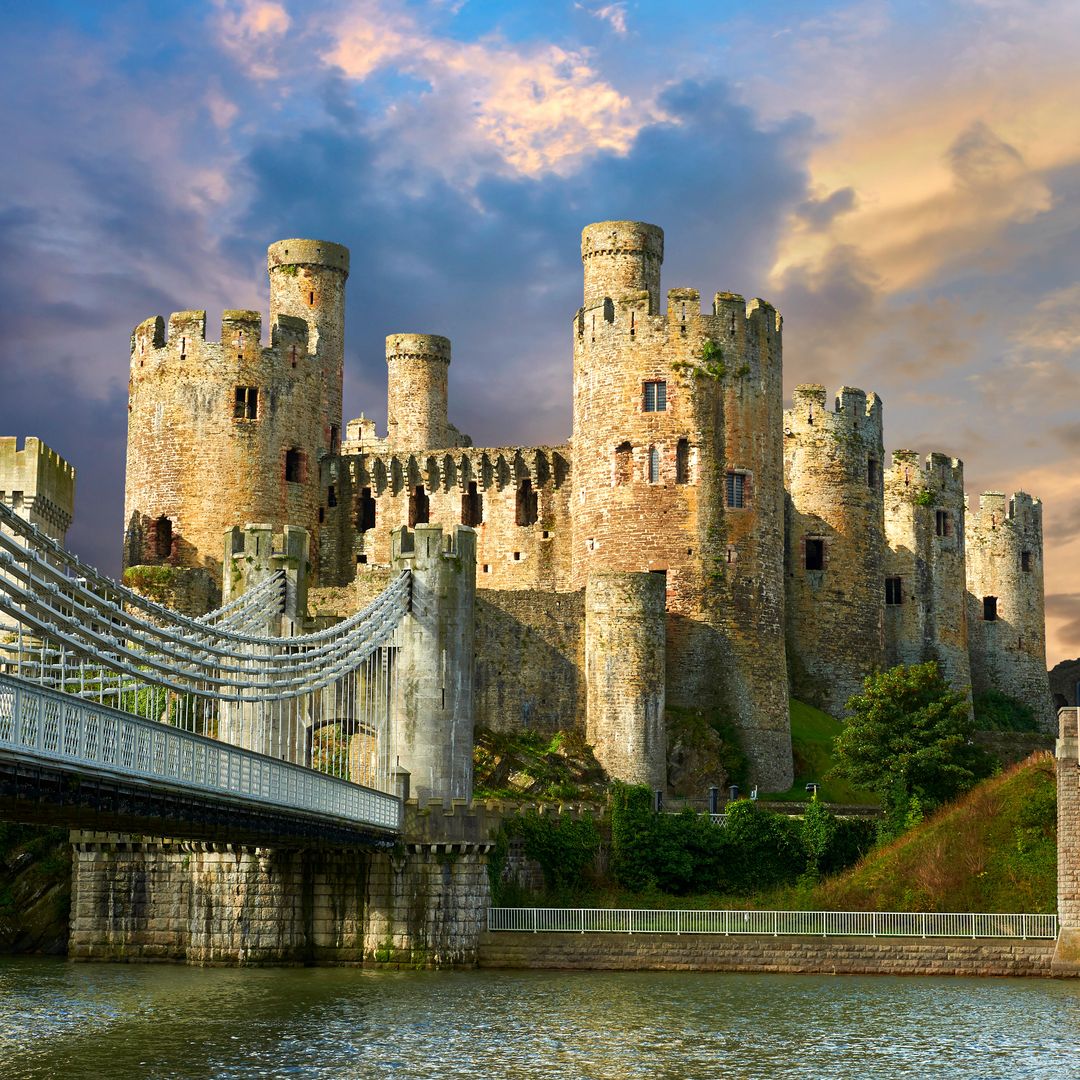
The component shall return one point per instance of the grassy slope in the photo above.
(994, 849)
(812, 734)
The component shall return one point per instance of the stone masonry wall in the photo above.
(419, 906)
(530, 660)
(1005, 562)
(835, 610)
(1067, 959)
(518, 497)
(808, 955)
(926, 611)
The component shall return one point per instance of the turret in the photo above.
(307, 281)
(620, 258)
(925, 606)
(1006, 617)
(416, 413)
(835, 543)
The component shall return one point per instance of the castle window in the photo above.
(472, 506)
(1025, 561)
(738, 490)
(335, 439)
(361, 560)
(311, 298)
(294, 466)
(527, 510)
(682, 462)
(872, 474)
(331, 496)
(246, 403)
(624, 463)
(322, 514)
(815, 553)
(365, 511)
(943, 523)
(654, 396)
(990, 613)
(162, 538)
(894, 593)
(419, 506)
(654, 465)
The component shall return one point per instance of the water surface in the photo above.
(101, 1020)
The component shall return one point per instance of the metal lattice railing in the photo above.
(774, 923)
(42, 724)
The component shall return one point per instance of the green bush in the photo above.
(995, 711)
(565, 849)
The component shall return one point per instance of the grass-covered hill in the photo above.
(994, 849)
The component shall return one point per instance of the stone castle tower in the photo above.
(221, 433)
(677, 467)
(836, 543)
(1006, 620)
(688, 547)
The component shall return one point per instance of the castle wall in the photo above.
(530, 660)
(38, 484)
(222, 433)
(518, 546)
(1005, 563)
(835, 558)
(1067, 956)
(650, 479)
(926, 607)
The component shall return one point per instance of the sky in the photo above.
(901, 179)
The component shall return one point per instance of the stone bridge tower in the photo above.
(677, 470)
(225, 432)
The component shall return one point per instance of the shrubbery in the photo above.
(995, 711)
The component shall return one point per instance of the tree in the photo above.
(909, 739)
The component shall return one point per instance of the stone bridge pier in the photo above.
(1067, 957)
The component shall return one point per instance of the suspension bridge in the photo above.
(117, 713)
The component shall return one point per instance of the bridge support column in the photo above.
(1067, 956)
(434, 723)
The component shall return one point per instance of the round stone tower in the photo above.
(835, 544)
(222, 433)
(416, 409)
(622, 257)
(1006, 618)
(677, 468)
(624, 675)
(925, 605)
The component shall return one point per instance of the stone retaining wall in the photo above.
(790, 955)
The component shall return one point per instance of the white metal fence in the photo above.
(775, 923)
(55, 727)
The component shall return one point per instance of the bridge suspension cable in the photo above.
(324, 699)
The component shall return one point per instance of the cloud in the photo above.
(1064, 610)
(613, 14)
(250, 30)
(818, 213)
(536, 107)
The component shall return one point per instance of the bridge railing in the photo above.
(45, 725)
(774, 923)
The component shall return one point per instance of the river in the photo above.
(61, 1020)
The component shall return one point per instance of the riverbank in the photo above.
(755, 953)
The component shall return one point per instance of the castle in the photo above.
(692, 544)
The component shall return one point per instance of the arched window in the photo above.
(472, 506)
(418, 506)
(162, 538)
(527, 503)
(682, 462)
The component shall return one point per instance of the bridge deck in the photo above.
(66, 760)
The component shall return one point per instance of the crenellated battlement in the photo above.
(38, 484)
(1020, 512)
(490, 469)
(855, 414)
(938, 476)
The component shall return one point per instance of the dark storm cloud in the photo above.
(1065, 606)
(497, 267)
(819, 213)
